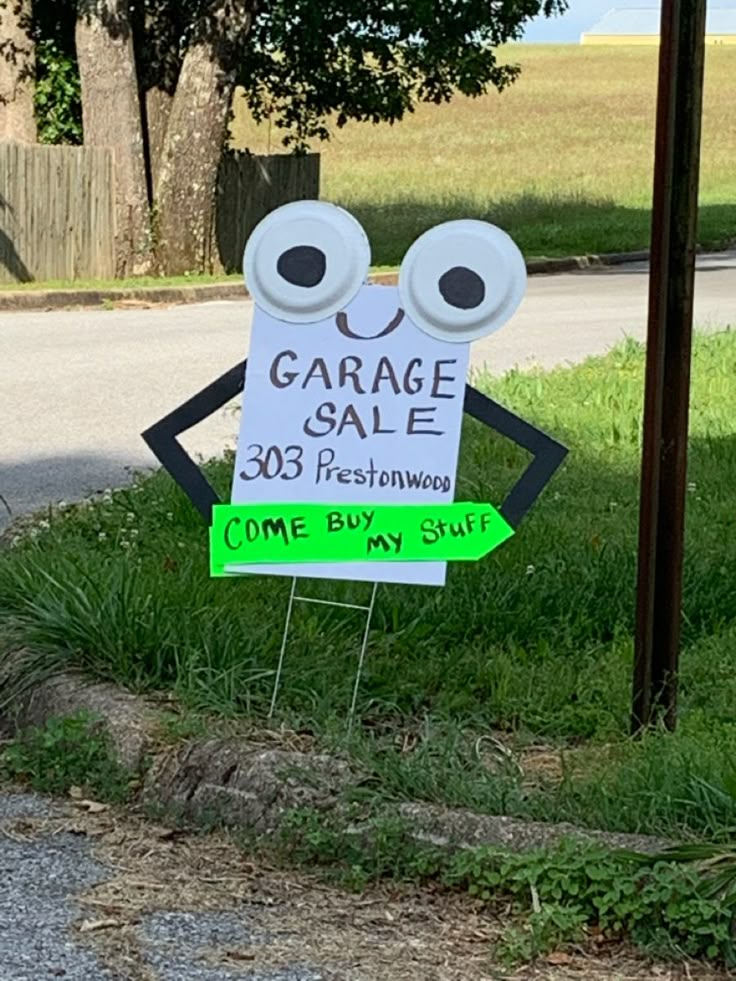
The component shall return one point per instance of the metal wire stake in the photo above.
(361, 660)
(277, 680)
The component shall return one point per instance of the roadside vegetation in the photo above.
(508, 691)
(562, 159)
(672, 905)
(71, 755)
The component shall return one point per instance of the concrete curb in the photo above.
(537, 267)
(251, 781)
(19, 300)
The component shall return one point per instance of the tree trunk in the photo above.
(112, 118)
(185, 195)
(17, 72)
(158, 112)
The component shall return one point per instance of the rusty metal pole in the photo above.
(669, 343)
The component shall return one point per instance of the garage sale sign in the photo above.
(353, 402)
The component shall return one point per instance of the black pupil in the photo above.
(462, 288)
(303, 265)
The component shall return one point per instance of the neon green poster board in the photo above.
(293, 533)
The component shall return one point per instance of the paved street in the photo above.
(78, 387)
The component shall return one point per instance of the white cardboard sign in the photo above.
(354, 393)
(334, 418)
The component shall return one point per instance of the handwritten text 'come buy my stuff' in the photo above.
(310, 532)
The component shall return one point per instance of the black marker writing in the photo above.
(338, 521)
(384, 542)
(238, 532)
(383, 377)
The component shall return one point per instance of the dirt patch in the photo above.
(536, 764)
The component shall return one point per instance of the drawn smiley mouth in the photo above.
(343, 325)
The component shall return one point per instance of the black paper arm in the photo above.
(161, 437)
(547, 452)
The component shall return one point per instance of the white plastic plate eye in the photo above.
(462, 280)
(306, 261)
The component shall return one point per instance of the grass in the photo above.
(136, 282)
(562, 160)
(534, 644)
(67, 753)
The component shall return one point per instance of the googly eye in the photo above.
(306, 261)
(462, 280)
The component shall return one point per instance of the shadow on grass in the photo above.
(542, 225)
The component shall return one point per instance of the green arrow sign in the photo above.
(273, 533)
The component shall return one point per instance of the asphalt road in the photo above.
(78, 387)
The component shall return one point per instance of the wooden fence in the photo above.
(248, 188)
(57, 214)
(57, 218)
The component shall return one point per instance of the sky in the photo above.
(582, 14)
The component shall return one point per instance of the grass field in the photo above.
(534, 642)
(562, 160)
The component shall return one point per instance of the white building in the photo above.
(641, 25)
